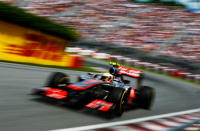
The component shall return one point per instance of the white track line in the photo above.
(104, 125)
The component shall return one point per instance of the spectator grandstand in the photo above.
(151, 28)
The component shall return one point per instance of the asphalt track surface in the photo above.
(20, 111)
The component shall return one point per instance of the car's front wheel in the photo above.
(57, 79)
(119, 97)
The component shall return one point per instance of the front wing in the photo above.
(60, 94)
(97, 104)
(100, 105)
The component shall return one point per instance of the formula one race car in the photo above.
(107, 92)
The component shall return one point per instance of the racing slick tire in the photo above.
(119, 97)
(56, 79)
(145, 97)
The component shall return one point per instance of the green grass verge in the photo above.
(177, 78)
(155, 72)
(86, 68)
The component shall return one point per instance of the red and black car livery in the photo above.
(91, 92)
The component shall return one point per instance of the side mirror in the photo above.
(126, 81)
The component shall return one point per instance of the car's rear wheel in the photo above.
(119, 97)
(145, 97)
(57, 79)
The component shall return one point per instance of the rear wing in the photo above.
(130, 72)
(120, 70)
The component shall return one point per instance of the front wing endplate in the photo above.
(100, 105)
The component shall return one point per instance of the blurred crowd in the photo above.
(152, 28)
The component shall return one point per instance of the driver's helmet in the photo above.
(107, 77)
(114, 71)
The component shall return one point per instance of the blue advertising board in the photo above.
(191, 5)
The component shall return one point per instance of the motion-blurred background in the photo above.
(155, 36)
(164, 32)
